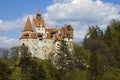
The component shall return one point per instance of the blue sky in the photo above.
(80, 14)
(13, 9)
(113, 1)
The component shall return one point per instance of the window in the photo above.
(40, 38)
(38, 17)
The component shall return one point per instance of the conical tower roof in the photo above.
(28, 26)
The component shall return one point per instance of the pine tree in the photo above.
(64, 57)
(95, 71)
(25, 62)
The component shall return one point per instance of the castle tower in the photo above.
(39, 20)
(39, 23)
(27, 30)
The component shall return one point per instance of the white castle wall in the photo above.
(43, 48)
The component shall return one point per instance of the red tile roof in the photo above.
(49, 30)
(39, 22)
(33, 36)
(58, 37)
(28, 26)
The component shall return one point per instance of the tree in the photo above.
(50, 69)
(93, 33)
(108, 36)
(37, 70)
(97, 61)
(112, 39)
(95, 44)
(96, 67)
(64, 57)
(5, 71)
(64, 60)
(31, 67)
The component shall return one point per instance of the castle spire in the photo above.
(38, 13)
(28, 26)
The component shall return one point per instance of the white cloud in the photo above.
(81, 14)
(1, 21)
(61, 1)
(7, 42)
(86, 11)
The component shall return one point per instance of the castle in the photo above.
(42, 41)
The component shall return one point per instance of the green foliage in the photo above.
(94, 32)
(81, 57)
(112, 39)
(80, 51)
(24, 51)
(34, 70)
(64, 59)
(95, 44)
(5, 71)
(112, 75)
(50, 69)
(115, 49)
(95, 71)
(16, 74)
